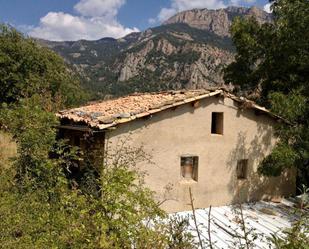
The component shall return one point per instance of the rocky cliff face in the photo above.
(188, 51)
(217, 21)
(180, 64)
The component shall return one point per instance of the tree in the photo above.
(43, 207)
(26, 68)
(272, 61)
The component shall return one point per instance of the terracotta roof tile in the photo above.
(108, 113)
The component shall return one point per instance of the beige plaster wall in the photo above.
(168, 135)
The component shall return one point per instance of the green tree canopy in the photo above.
(273, 56)
(42, 205)
(109, 207)
(26, 68)
(273, 60)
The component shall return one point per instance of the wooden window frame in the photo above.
(185, 162)
(242, 169)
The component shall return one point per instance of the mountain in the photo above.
(189, 50)
(217, 21)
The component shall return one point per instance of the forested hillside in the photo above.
(187, 51)
(28, 69)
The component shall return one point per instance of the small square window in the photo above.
(217, 123)
(189, 167)
(242, 169)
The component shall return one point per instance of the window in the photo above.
(189, 167)
(242, 168)
(217, 123)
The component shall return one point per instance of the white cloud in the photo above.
(249, 1)
(152, 21)
(181, 5)
(23, 28)
(267, 7)
(240, 2)
(235, 2)
(94, 8)
(166, 13)
(96, 19)
(191, 4)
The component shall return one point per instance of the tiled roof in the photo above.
(108, 113)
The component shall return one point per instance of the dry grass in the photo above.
(7, 149)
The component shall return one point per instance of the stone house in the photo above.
(208, 140)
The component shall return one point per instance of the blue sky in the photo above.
(94, 19)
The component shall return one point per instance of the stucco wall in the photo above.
(168, 135)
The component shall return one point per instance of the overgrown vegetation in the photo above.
(272, 61)
(27, 69)
(295, 237)
(41, 207)
(42, 204)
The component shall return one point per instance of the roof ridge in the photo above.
(99, 101)
(110, 112)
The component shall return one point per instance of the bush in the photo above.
(43, 207)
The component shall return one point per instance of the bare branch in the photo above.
(209, 235)
(194, 218)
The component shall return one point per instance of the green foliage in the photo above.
(282, 156)
(7, 148)
(290, 107)
(198, 35)
(188, 57)
(43, 207)
(27, 68)
(138, 84)
(245, 34)
(178, 238)
(273, 55)
(33, 131)
(42, 204)
(297, 237)
(99, 62)
(273, 59)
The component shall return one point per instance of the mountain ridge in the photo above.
(219, 20)
(189, 50)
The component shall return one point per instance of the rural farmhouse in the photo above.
(208, 140)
